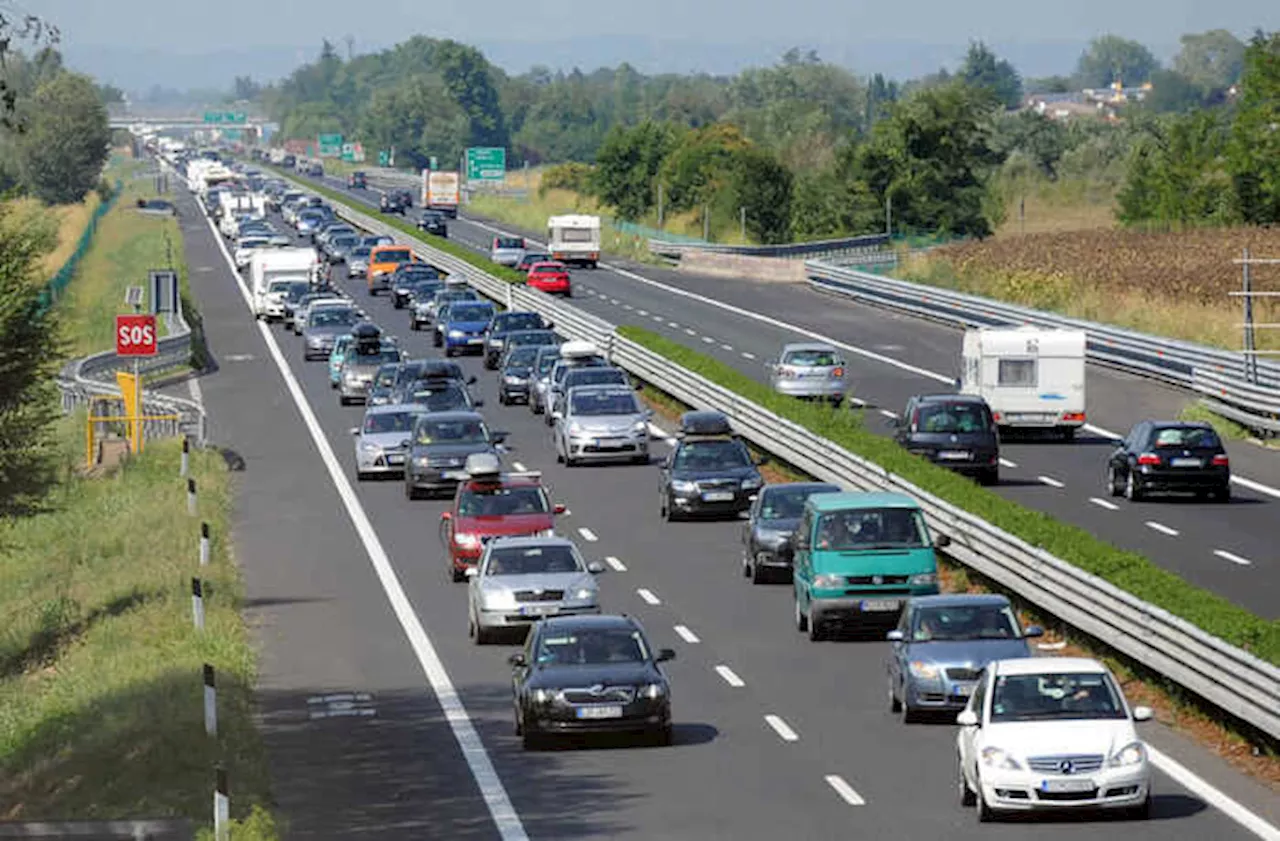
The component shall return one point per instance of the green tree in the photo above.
(110, 94)
(1111, 58)
(419, 119)
(67, 140)
(469, 80)
(1255, 139)
(1211, 60)
(30, 353)
(1042, 140)
(18, 28)
(983, 70)
(1172, 92)
(700, 167)
(1178, 175)
(627, 165)
(762, 187)
(881, 94)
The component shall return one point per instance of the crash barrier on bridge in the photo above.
(1229, 677)
(1221, 375)
(847, 248)
(58, 283)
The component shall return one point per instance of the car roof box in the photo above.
(704, 423)
(483, 465)
(579, 350)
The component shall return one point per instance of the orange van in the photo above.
(383, 262)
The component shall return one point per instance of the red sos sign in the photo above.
(135, 335)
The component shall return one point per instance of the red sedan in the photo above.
(491, 506)
(549, 277)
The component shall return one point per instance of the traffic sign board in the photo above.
(349, 152)
(135, 335)
(434, 163)
(486, 163)
(225, 117)
(330, 145)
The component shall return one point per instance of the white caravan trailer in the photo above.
(574, 239)
(1030, 377)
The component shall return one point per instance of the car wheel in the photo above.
(1141, 812)
(662, 737)
(802, 618)
(758, 574)
(413, 325)
(332, 384)
(816, 631)
(985, 813)
(448, 352)
(1132, 488)
(747, 571)
(967, 797)
(458, 576)
(483, 636)
(410, 492)
(519, 728)
(1113, 487)
(1223, 494)
(989, 477)
(664, 509)
(398, 305)
(502, 398)
(909, 715)
(532, 740)
(895, 706)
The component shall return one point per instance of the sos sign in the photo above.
(135, 335)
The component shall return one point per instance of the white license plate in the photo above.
(879, 605)
(963, 690)
(599, 712)
(718, 496)
(453, 474)
(475, 341)
(1185, 462)
(537, 609)
(953, 455)
(1064, 786)
(395, 459)
(608, 443)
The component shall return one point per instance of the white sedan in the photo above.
(1051, 733)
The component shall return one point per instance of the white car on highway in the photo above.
(1051, 734)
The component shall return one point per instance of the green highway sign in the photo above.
(486, 163)
(220, 117)
(329, 145)
(349, 152)
(434, 163)
(384, 158)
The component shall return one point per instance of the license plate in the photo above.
(395, 459)
(953, 455)
(475, 341)
(879, 605)
(599, 712)
(453, 474)
(718, 496)
(963, 690)
(536, 609)
(1064, 786)
(608, 443)
(1185, 462)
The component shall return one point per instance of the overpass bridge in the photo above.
(192, 122)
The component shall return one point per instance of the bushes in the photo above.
(572, 176)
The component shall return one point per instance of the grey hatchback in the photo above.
(439, 448)
(809, 370)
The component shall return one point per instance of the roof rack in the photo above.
(704, 423)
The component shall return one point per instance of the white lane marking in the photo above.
(746, 355)
(1256, 486)
(728, 348)
(781, 728)
(1161, 527)
(729, 677)
(1213, 795)
(614, 301)
(1004, 462)
(618, 566)
(628, 307)
(588, 535)
(888, 414)
(518, 466)
(1051, 482)
(1102, 503)
(845, 790)
(687, 635)
(657, 318)
(504, 815)
(193, 386)
(1234, 558)
(708, 340)
(648, 596)
(691, 331)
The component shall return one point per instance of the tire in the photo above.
(449, 352)
(816, 632)
(502, 398)
(436, 341)
(1223, 494)
(532, 740)
(662, 737)
(909, 716)
(802, 618)
(413, 325)
(758, 575)
(664, 509)
(458, 575)
(1113, 486)
(1068, 434)
(985, 814)
(410, 492)
(1132, 489)
(1141, 812)
(398, 304)
(895, 706)
(483, 636)
(967, 797)
(989, 477)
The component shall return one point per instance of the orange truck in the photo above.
(383, 262)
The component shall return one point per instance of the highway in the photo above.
(1228, 549)
(776, 737)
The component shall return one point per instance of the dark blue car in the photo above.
(462, 329)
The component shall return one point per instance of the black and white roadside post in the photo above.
(197, 604)
(186, 458)
(210, 702)
(191, 497)
(204, 544)
(221, 806)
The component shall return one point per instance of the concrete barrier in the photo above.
(764, 269)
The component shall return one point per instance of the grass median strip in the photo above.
(101, 712)
(1127, 570)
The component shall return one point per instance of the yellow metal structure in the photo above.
(110, 409)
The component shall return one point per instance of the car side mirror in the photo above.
(499, 437)
(477, 402)
(1032, 631)
(556, 414)
(551, 325)
(355, 430)
(942, 541)
(967, 718)
(894, 636)
(559, 508)
(517, 659)
(1143, 713)
(648, 414)
(471, 380)
(667, 654)
(446, 516)
(472, 572)
(595, 567)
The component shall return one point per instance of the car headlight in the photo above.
(513, 380)
(542, 696)
(367, 447)
(652, 691)
(750, 484)
(584, 594)
(499, 599)
(639, 427)
(495, 343)
(466, 541)
(923, 670)
(575, 429)
(828, 582)
(683, 486)
(546, 533)
(994, 757)
(1134, 753)
(923, 578)
(456, 334)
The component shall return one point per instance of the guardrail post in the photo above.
(197, 604)
(191, 497)
(210, 702)
(221, 805)
(204, 544)
(186, 458)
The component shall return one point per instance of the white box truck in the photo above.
(574, 239)
(1032, 378)
(270, 265)
(440, 191)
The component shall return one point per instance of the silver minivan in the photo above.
(809, 370)
(601, 423)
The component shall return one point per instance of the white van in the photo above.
(1031, 377)
(280, 264)
(574, 239)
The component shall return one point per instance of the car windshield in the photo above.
(589, 362)
(386, 377)
(455, 295)
(279, 286)
(951, 417)
(418, 272)
(394, 255)
(811, 358)
(530, 259)
(518, 321)
(533, 560)
(548, 268)
(333, 317)
(595, 376)
(522, 357)
(1049, 697)
(361, 251)
(498, 501)
(785, 503)
(296, 290)
(604, 403)
(964, 622)
(872, 528)
(1186, 438)
(345, 242)
(482, 312)
(380, 422)
(252, 242)
(452, 431)
(711, 455)
(442, 397)
(508, 242)
(536, 338)
(546, 362)
(592, 647)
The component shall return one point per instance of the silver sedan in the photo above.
(382, 440)
(809, 370)
(520, 580)
(600, 423)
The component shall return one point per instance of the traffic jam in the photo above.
(1033, 733)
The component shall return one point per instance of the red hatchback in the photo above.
(552, 278)
(489, 506)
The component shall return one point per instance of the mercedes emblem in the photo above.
(1066, 766)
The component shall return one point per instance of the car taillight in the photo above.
(839, 372)
(1073, 416)
(1221, 461)
(1149, 459)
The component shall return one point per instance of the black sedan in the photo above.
(357, 181)
(1170, 456)
(395, 201)
(504, 323)
(710, 472)
(434, 222)
(590, 674)
(772, 519)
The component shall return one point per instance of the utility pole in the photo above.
(888, 214)
(742, 223)
(1250, 341)
(659, 205)
(706, 223)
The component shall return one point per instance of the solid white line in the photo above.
(518, 466)
(1256, 486)
(1004, 462)
(1051, 482)
(1213, 796)
(845, 790)
(781, 728)
(648, 596)
(658, 432)
(1102, 503)
(729, 677)
(1162, 528)
(888, 414)
(588, 535)
(687, 635)
(1234, 558)
(746, 355)
(508, 823)
(193, 386)
(618, 566)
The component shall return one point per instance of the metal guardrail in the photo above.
(1172, 361)
(846, 247)
(1229, 677)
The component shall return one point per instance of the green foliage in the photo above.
(568, 176)
(1172, 92)
(1043, 141)
(1111, 58)
(627, 164)
(761, 187)
(258, 825)
(67, 139)
(700, 166)
(997, 77)
(1255, 140)
(1127, 570)
(1178, 174)
(1212, 61)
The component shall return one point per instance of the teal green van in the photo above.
(857, 558)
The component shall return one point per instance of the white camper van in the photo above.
(1030, 377)
(279, 264)
(574, 239)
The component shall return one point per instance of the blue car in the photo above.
(335, 359)
(463, 327)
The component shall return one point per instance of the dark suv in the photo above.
(357, 181)
(395, 201)
(711, 471)
(954, 431)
